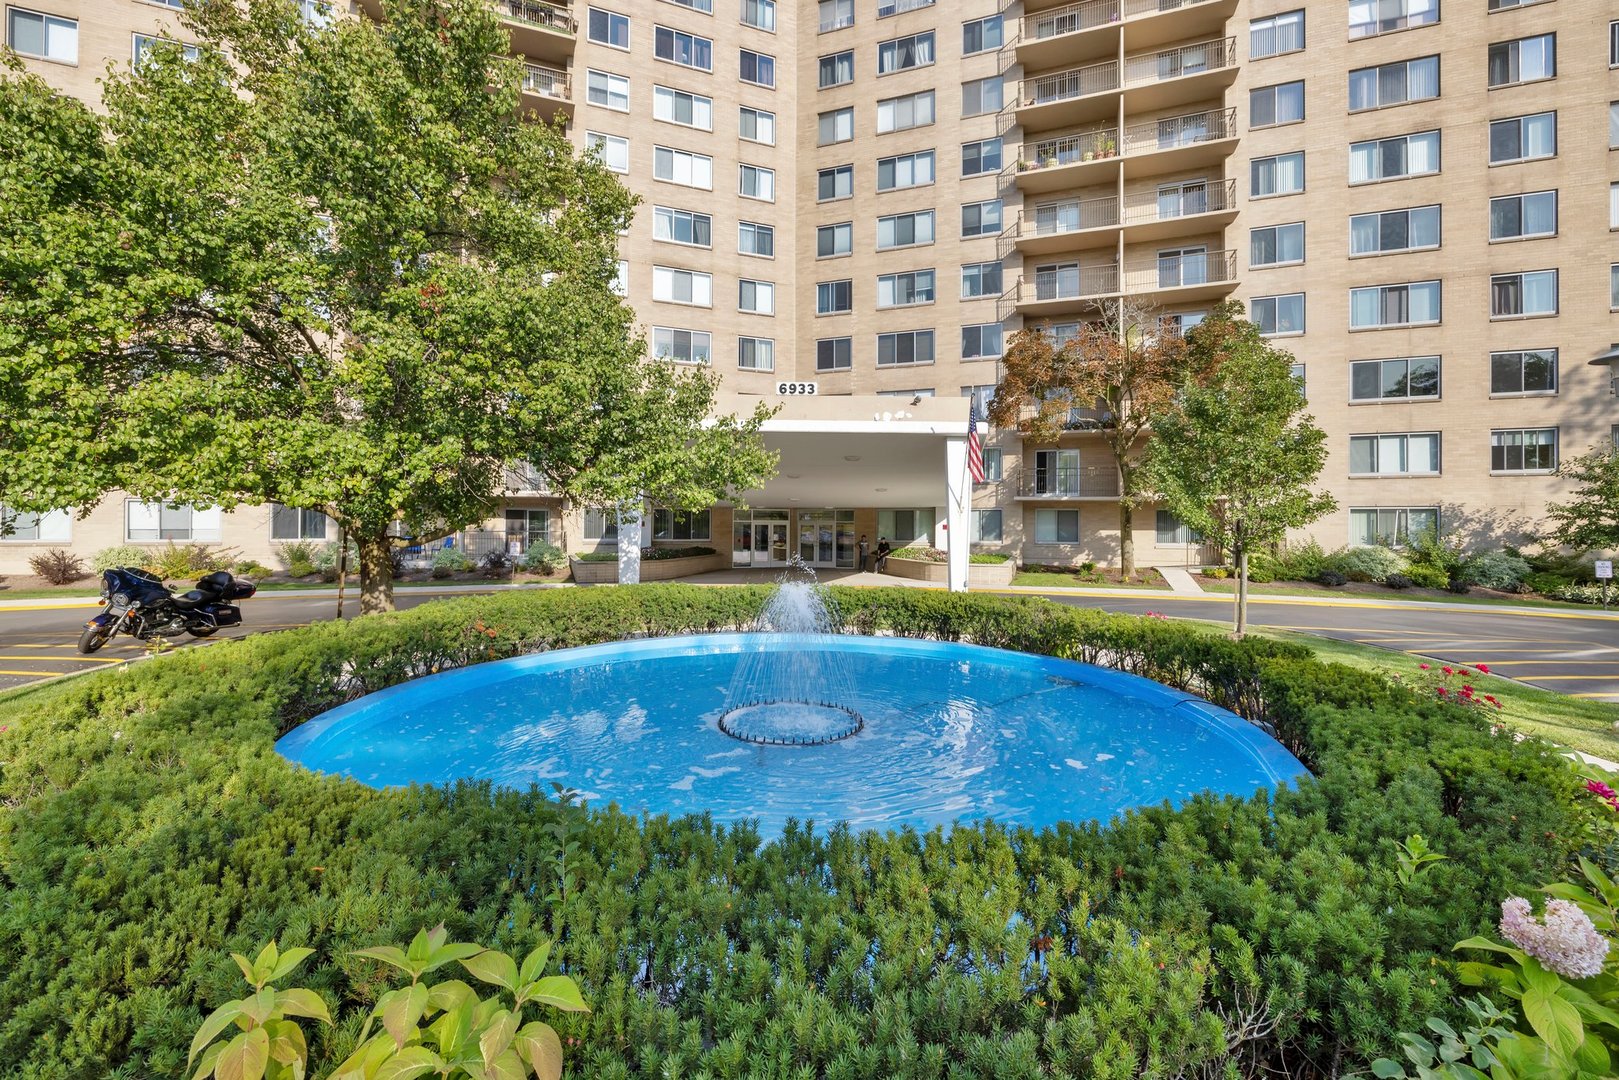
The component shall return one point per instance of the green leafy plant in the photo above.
(543, 559)
(448, 561)
(189, 560)
(920, 553)
(1423, 576)
(269, 1044)
(250, 568)
(298, 557)
(1414, 857)
(446, 1029)
(122, 555)
(1498, 570)
(1369, 563)
(1463, 1055)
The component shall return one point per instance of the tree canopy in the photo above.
(1590, 519)
(334, 267)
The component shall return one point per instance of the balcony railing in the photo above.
(1069, 20)
(1208, 197)
(1082, 482)
(541, 15)
(1189, 129)
(1184, 270)
(546, 82)
(1132, 8)
(886, 8)
(1065, 216)
(1067, 283)
(1070, 84)
(1067, 149)
(1178, 62)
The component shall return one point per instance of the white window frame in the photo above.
(761, 118)
(47, 23)
(614, 86)
(974, 101)
(920, 286)
(665, 288)
(1049, 526)
(1377, 146)
(682, 43)
(1406, 361)
(985, 227)
(979, 330)
(837, 173)
(758, 230)
(1275, 303)
(1522, 277)
(698, 168)
(1403, 528)
(210, 532)
(666, 101)
(1504, 468)
(764, 182)
(1273, 161)
(1523, 216)
(666, 221)
(1544, 55)
(1275, 35)
(836, 229)
(1382, 292)
(1253, 237)
(893, 340)
(835, 15)
(699, 345)
(761, 293)
(977, 270)
(613, 17)
(1367, 18)
(303, 530)
(1518, 357)
(765, 19)
(1379, 440)
(983, 160)
(762, 62)
(834, 69)
(764, 353)
(1523, 150)
(911, 164)
(610, 146)
(835, 126)
(827, 296)
(983, 24)
(921, 46)
(1379, 215)
(890, 112)
(893, 223)
(1376, 72)
(51, 527)
(842, 349)
(1276, 96)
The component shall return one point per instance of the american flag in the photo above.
(975, 448)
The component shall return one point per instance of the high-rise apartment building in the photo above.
(865, 198)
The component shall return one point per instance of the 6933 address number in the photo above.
(796, 389)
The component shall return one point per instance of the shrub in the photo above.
(57, 566)
(150, 825)
(1088, 566)
(1427, 577)
(452, 560)
(324, 560)
(1497, 570)
(1582, 594)
(176, 561)
(598, 556)
(654, 554)
(1458, 586)
(250, 568)
(1261, 570)
(1218, 573)
(1429, 548)
(1544, 582)
(543, 559)
(1330, 578)
(1399, 581)
(1301, 562)
(123, 555)
(920, 554)
(298, 557)
(1369, 563)
(988, 558)
(495, 564)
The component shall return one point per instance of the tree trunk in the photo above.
(1242, 592)
(376, 574)
(1127, 539)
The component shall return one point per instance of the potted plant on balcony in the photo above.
(1108, 148)
(1048, 160)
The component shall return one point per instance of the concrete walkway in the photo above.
(1180, 580)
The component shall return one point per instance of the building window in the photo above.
(675, 286)
(993, 468)
(1528, 295)
(682, 346)
(907, 111)
(1523, 450)
(1276, 35)
(1523, 138)
(837, 69)
(902, 54)
(758, 68)
(1368, 18)
(906, 289)
(1056, 526)
(49, 37)
(53, 526)
(1394, 158)
(835, 126)
(681, 227)
(981, 35)
(1394, 84)
(981, 341)
(833, 354)
(607, 90)
(1172, 531)
(1379, 307)
(1280, 174)
(905, 171)
(981, 219)
(986, 524)
(1270, 106)
(687, 50)
(760, 14)
(1385, 526)
(756, 297)
(756, 354)
(978, 158)
(145, 43)
(834, 297)
(1532, 371)
(831, 240)
(757, 182)
(1613, 125)
(755, 239)
(981, 396)
(1613, 287)
(1179, 322)
(905, 230)
(620, 285)
(614, 151)
(1394, 455)
(146, 521)
(836, 14)
(295, 523)
(835, 183)
(904, 526)
(981, 96)
(1394, 230)
(756, 125)
(680, 524)
(980, 279)
(1275, 315)
(600, 527)
(683, 167)
(1523, 217)
(905, 347)
(1404, 378)
(609, 28)
(1613, 206)
(679, 107)
(1524, 60)
(1276, 245)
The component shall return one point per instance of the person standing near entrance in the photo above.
(882, 554)
(865, 553)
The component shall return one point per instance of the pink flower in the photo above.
(1485, 668)
(1440, 690)
(1597, 787)
(1422, 667)
(1565, 942)
(1448, 670)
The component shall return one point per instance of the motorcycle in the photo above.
(140, 605)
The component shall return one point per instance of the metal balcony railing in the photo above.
(1069, 20)
(1132, 8)
(1049, 153)
(546, 82)
(1064, 216)
(1183, 270)
(886, 8)
(1070, 84)
(1208, 197)
(1083, 482)
(541, 15)
(1067, 282)
(1185, 60)
(1189, 129)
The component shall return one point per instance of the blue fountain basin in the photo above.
(950, 733)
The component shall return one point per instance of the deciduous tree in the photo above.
(332, 267)
(1590, 519)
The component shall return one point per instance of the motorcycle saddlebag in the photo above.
(226, 615)
(240, 589)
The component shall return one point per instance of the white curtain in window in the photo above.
(1363, 158)
(1423, 454)
(1540, 292)
(1422, 153)
(1424, 302)
(1422, 79)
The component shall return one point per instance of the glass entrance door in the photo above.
(761, 540)
(826, 537)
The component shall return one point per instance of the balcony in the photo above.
(1064, 225)
(1065, 162)
(1174, 143)
(539, 31)
(1193, 72)
(1192, 208)
(1067, 289)
(1145, 25)
(1065, 98)
(1081, 482)
(1185, 276)
(547, 91)
(1067, 34)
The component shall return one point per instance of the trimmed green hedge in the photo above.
(147, 827)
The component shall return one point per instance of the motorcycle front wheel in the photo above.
(93, 638)
(201, 631)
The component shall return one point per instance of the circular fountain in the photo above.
(793, 720)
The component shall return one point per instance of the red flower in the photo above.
(1448, 670)
(1422, 667)
(1491, 699)
(1485, 668)
(1440, 690)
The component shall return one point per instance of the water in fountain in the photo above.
(793, 687)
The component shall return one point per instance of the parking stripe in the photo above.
(37, 674)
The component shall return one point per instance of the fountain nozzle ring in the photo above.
(791, 723)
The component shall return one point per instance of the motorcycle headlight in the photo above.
(121, 599)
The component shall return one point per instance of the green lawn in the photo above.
(1257, 591)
